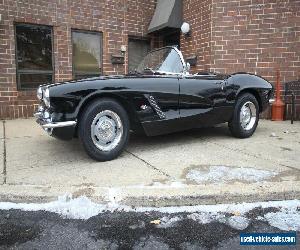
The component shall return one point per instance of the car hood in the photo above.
(109, 77)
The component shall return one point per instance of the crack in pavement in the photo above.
(4, 154)
(24, 136)
(148, 164)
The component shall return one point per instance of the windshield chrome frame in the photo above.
(181, 59)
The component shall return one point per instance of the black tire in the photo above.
(85, 123)
(234, 125)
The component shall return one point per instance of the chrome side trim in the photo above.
(157, 109)
(59, 124)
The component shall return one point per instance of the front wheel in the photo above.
(245, 116)
(104, 129)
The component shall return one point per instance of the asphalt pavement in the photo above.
(124, 230)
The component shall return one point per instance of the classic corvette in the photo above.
(159, 97)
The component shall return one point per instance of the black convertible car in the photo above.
(159, 97)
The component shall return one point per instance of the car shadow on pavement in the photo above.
(182, 137)
(74, 151)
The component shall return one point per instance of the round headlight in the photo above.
(46, 97)
(39, 93)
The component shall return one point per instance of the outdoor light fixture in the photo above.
(120, 58)
(123, 48)
(185, 29)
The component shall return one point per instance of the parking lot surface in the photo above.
(200, 166)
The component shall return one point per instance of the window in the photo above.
(172, 39)
(87, 56)
(137, 50)
(164, 60)
(33, 55)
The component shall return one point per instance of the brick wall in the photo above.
(257, 36)
(245, 35)
(115, 19)
(198, 14)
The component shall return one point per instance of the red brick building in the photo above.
(63, 39)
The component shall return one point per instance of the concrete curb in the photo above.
(184, 195)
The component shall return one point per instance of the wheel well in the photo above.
(256, 95)
(116, 98)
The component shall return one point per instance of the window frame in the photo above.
(139, 38)
(43, 72)
(100, 33)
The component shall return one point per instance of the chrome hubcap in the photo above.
(106, 130)
(248, 115)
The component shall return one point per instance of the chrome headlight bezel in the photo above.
(46, 97)
(39, 93)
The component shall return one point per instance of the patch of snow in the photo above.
(84, 208)
(287, 219)
(223, 174)
(261, 218)
(238, 222)
(79, 208)
(167, 221)
(205, 217)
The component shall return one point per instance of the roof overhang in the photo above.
(167, 15)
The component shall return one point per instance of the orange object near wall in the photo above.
(278, 105)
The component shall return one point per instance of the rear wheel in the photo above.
(104, 129)
(245, 116)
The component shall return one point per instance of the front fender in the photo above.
(258, 86)
(246, 81)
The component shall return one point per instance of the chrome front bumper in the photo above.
(44, 119)
(272, 100)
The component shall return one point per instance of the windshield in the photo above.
(162, 61)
